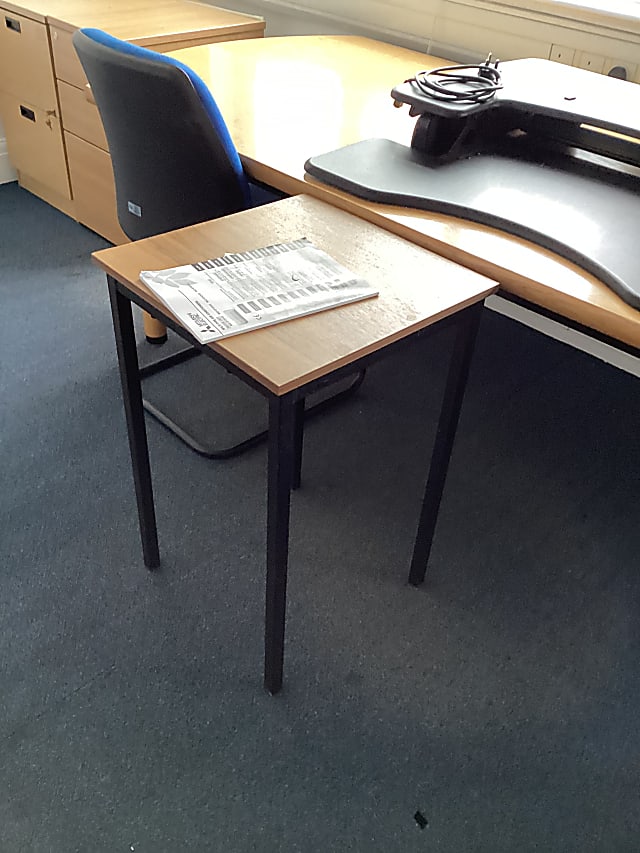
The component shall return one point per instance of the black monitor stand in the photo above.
(537, 103)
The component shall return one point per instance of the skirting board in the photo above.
(615, 357)
(7, 172)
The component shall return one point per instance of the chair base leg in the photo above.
(166, 361)
(235, 449)
(195, 445)
(155, 331)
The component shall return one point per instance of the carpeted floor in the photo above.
(499, 701)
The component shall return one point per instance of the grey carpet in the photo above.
(499, 701)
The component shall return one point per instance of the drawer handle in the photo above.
(12, 24)
(25, 112)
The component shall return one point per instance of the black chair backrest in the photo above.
(174, 163)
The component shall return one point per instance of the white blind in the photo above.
(624, 8)
(613, 7)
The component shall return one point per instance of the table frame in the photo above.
(286, 417)
(575, 325)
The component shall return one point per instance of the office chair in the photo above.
(174, 165)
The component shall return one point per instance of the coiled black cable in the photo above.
(455, 84)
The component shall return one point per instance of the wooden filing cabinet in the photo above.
(54, 134)
(90, 172)
(29, 107)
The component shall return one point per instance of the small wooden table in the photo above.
(288, 361)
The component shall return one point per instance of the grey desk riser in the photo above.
(590, 214)
(510, 162)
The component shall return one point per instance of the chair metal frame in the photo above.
(160, 119)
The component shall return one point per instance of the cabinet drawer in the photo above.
(80, 116)
(34, 143)
(94, 192)
(65, 58)
(26, 70)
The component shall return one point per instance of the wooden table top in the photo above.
(143, 21)
(417, 288)
(286, 99)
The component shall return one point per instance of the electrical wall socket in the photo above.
(630, 67)
(561, 53)
(593, 61)
(590, 61)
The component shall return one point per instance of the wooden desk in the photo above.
(286, 99)
(288, 361)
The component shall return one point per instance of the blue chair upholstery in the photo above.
(174, 164)
(173, 159)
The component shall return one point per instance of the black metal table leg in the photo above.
(132, 396)
(298, 439)
(280, 476)
(467, 323)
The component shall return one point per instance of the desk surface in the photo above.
(143, 21)
(288, 355)
(286, 99)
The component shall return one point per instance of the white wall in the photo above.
(6, 170)
(459, 29)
